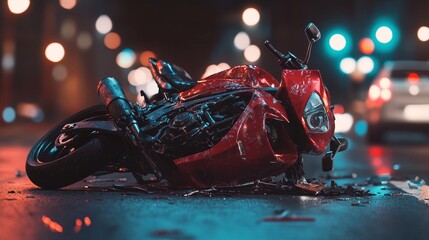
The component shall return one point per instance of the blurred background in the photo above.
(54, 52)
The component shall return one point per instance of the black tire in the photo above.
(50, 167)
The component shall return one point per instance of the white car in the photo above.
(398, 99)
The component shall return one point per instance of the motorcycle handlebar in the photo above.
(288, 61)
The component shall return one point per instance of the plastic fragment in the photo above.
(285, 217)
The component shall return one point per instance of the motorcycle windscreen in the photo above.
(310, 102)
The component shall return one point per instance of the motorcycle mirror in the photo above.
(312, 32)
(313, 35)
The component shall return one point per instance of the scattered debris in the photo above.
(311, 187)
(342, 199)
(340, 191)
(18, 173)
(417, 183)
(30, 196)
(118, 187)
(285, 217)
(95, 180)
(416, 188)
(393, 194)
(360, 203)
(333, 176)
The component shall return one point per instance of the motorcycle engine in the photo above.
(199, 127)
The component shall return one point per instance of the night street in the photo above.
(214, 119)
(391, 213)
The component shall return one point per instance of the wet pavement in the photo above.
(104, 209)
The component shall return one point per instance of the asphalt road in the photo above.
(93, 210)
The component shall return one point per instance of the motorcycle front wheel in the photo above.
(50, 165)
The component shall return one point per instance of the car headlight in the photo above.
(315, 115)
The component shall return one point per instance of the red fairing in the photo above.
(237, 77)
(298, 85)
(245, 153)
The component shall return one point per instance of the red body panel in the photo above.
(298, 85)
(237, 77)
(244, 154)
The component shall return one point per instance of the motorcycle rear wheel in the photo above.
(51, 167)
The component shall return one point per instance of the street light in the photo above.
(251, 16)
(337, 42)
(423, 33)
(18, 6)
(384, 34)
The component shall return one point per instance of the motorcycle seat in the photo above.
(169, 77)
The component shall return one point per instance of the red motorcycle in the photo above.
(233, 127)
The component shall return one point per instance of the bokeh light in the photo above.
(84, 40)
(348, 65)
(252, 53)
(103, 24)
(365, 64)
(140, 76)
(366, 46)
(126, 58)
(68, 4)
(361, 128)
(386, 94)
(343, 122)
(112, 40)
(423, 33)
(337, 42)
(213, 68)
(223, 66)
(8, 114)
(8, 62)
(251, 16)
(54, 52)
(144, 57)
(150, 89)
(18, 6)
(385, 83)
(374, 92)
(414, 90)
(384, 34)
(68, 29)
(59, 72)
(241, 41)
(30, 110)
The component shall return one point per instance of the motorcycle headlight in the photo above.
(315, 115)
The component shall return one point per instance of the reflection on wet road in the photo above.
(78, 212)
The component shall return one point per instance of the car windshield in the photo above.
(409, 73)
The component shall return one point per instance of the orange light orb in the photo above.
(366, 46)
(144, 57)
(112, 40)
(68, 4)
